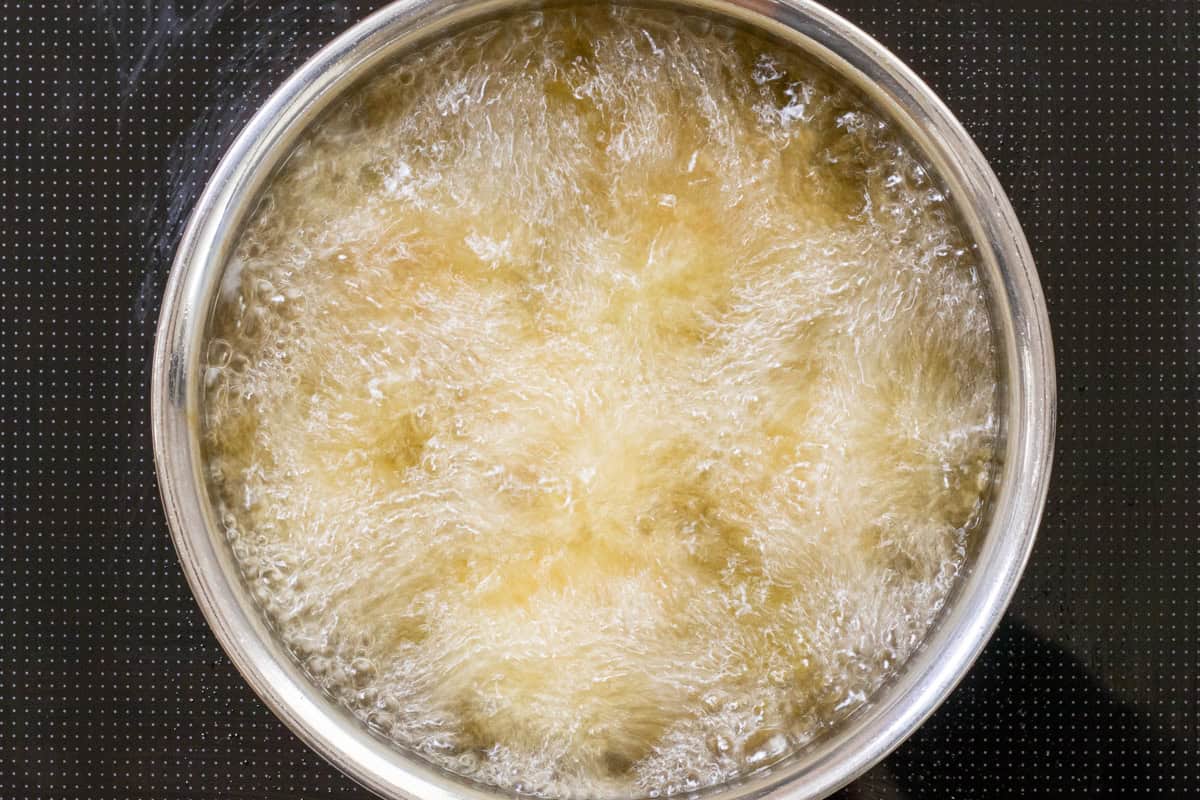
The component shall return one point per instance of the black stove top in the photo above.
(113, 113)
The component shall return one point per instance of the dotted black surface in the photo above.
(112, 114)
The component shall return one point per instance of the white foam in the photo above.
(602, 404)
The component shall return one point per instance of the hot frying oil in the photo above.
(599, 403)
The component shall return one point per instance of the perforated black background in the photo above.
(112, 114)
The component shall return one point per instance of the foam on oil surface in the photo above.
(599, 404)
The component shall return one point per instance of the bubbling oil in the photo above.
(600, 403)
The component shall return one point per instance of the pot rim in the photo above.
(1018, 309)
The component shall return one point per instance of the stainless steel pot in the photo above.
(1027, 405)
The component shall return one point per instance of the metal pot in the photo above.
(1027, 403)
